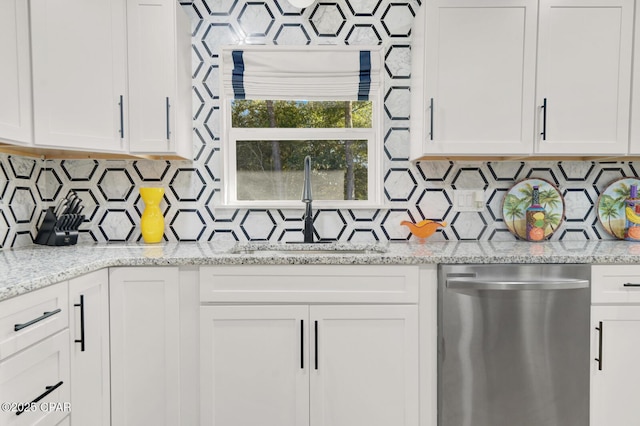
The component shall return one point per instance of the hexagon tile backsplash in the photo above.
(109, 188)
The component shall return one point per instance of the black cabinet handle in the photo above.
(544, 119)
(121, 103)
(431, 119)
(302, 344)
(599, 359)
(630, 285)
(315, 334)
(18, 327)
(168, 129)
(81, 306)
(48, 390)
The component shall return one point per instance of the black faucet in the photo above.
(307, 199)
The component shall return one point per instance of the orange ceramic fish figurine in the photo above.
(424, 228)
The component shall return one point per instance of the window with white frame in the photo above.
(281, 103)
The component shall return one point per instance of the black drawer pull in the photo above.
(431, 118)
(121, 104)
(48, 390)
(44, 316)
(599, 359)
(168, 119)
(544, 119)
(315, 338)
(630, 285)
(81, 306)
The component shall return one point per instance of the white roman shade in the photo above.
(312, 73)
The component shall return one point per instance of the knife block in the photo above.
(59, 231)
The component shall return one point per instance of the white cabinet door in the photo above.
(159, 61)
(364, 365)
(79, 73)
(479, 61)
(15, 73)
(584, 74)
(89, 329)
(634, 142)
(145, 346)
(254, 365)
(615, 378)
(38, 375)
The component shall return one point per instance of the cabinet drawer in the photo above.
(37, 315)
(310, 283)
(41, 374)
(615, 284)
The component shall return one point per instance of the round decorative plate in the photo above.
(611, 206)
(519, 198)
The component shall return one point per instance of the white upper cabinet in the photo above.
(105, 76)
(634, 138)
(15, 73)
(478, 58)
(584, 74)
(79, 74)
(475, 90)
(159, 62)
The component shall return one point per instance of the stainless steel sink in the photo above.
(308, 249)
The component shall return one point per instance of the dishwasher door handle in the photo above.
(550, 284)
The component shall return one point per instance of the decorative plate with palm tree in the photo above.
(520, 197)
(611, 204)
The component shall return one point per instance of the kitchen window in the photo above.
(281, 104)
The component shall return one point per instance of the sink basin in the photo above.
(309, 248)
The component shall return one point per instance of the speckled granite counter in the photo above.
(27, 269)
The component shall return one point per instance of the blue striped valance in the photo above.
(309, 73)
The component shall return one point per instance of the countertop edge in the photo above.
(23, 278)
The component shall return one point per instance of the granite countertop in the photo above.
(26, 269)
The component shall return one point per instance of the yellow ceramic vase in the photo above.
(152, 221)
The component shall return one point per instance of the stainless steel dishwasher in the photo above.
(513, 345)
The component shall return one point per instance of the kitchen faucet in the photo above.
(307, 199)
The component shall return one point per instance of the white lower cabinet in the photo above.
(89, 329)
(145, 346)
(275, 363)
(615, 369)
(254, 365)
(364, 367)
(615, 344)
(37, 379)
(279, 365)
(34, 358)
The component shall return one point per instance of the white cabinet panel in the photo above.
(614, 380)
(254, 365)
(29, 318)
(159, 48)
(79, 73)
(634, 142)
(295, 365)
(499, 77)
(584, 73)
(15, 73)
(615, 284)
(89, 329)
(145, 346)
(480, 71)
(40, 373)
(367, 365)
(310, 284)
